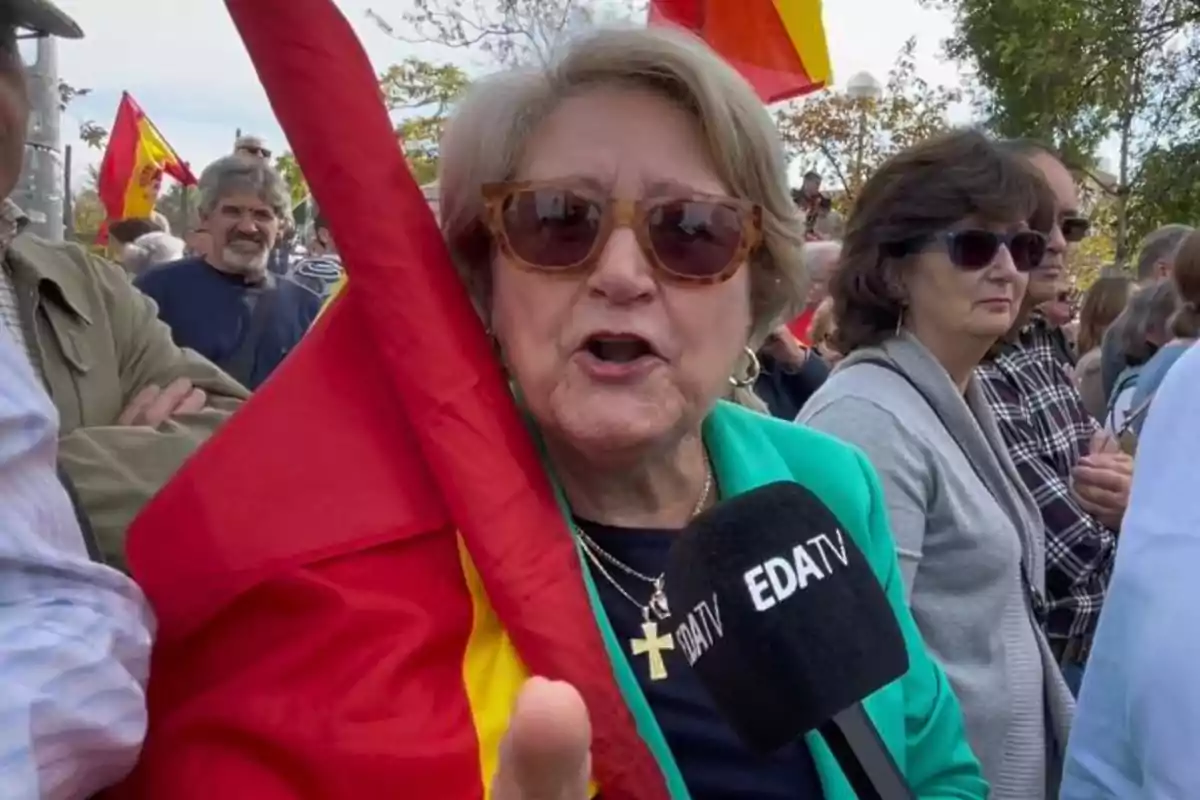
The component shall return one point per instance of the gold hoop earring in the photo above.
(752, 372)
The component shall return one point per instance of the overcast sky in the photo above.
(183, 62)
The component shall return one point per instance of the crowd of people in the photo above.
(680, 327)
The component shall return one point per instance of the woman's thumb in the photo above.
(545, 754)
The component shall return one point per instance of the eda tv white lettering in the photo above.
(778, 578)
(700, 629)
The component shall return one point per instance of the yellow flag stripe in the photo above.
(493, 674)
(806, 28)
(152, 155)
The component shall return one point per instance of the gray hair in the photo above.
(814, 253)
(1160, 247)
(485, 139)
(1144, 318)
(237, 175)
(150, 250)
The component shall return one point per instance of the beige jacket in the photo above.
(100, 342)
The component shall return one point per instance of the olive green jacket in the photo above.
(99, 341)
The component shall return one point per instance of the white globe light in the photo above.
(863, 86)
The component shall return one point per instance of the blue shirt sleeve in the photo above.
(74, 634)
(1137, 728)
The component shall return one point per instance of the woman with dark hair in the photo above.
(933, 272)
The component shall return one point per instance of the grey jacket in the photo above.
(967, 531)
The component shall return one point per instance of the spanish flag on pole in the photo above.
(134, 163)
(778, 46)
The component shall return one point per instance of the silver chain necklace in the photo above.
(656, 609)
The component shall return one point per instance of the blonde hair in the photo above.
(485, 139)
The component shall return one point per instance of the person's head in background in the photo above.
(252, 147)
(940, 244)
(1049, 280)
(1143, 327)
(126, 231)
(150, 250)
(243, 204)
(1103, 302)
(1156, 253)
(1185, 324)
(810, 186)
(322, 243)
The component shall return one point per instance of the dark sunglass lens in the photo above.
(973, 249)
(1028, 248)
(1075, 229)
(696, 239)
(552, 228)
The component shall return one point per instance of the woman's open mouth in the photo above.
(617, 356)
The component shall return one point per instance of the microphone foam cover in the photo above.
(780, 614)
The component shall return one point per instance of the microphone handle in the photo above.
(863, 757)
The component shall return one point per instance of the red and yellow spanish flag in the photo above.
(778, 46)
(347, 610)
(134, 163)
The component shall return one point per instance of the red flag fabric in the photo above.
(778, 46)
(136, 158)
(325, 567)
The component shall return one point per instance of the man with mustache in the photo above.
(227, 305)
(131, 406)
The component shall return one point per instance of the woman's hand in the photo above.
(545, 754)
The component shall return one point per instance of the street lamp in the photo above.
(865, 90)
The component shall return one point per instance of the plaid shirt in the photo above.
(1047, 431)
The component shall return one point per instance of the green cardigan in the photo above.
(917, 716)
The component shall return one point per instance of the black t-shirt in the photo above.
(786, 389)
(714, 763)
(211, 312)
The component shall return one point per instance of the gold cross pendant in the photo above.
(653, 645)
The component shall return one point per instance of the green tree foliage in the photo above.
(288, 169)
(421, 94)
(87, 211)
(1168, 190)
(1076, 73)
(91, 133)
(828, 131)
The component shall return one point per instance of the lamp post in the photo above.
(864, 90)
(39, 191)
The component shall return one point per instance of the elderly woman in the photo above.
(935, 265)
(622, 223)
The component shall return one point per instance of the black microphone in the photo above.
(780, 615)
